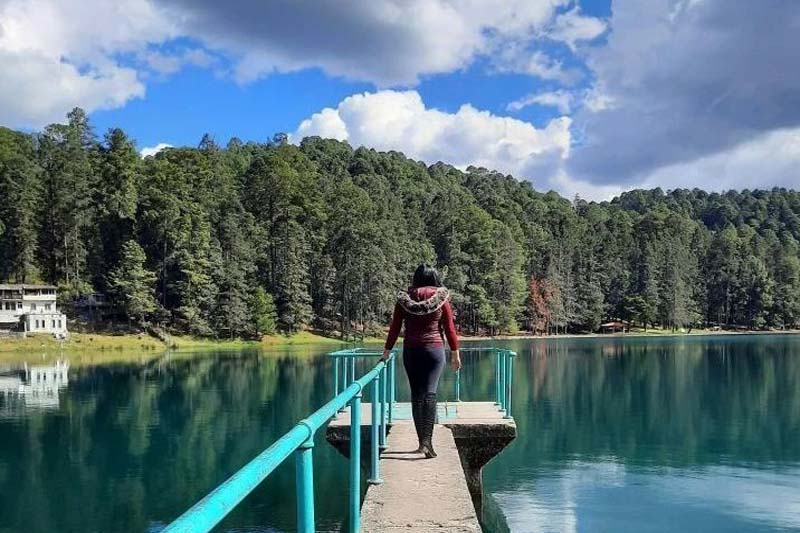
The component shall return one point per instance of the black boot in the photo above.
(428, 420)
(417, 405)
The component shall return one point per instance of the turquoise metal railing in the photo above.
(209, 511)
(345, 360)
(381, 379)
(504, 374)
(344, 364)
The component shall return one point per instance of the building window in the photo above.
(37, 324)
(46, 307)
(19, 305)
(33, 307)
(54, 324)
(59, 323)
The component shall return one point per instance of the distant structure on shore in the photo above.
(30, 309)
(34, 386)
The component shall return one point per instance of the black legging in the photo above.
(424, 366)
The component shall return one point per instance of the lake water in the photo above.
(636, 434)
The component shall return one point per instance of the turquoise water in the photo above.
(648, 434)
(691, 434)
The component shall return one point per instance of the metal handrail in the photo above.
(344, 362)
(504, 374)
(504, 377)
(209, 511)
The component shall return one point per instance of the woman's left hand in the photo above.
(455, 360)
(385, 356)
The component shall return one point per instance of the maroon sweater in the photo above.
(425, 310)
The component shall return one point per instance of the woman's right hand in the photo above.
(455, 360)
(386, 354)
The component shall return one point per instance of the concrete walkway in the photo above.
(419, 494)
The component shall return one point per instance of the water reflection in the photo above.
(692, 434)
(31, 387)
(654, 434)
(128, 447)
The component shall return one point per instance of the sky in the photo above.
(587, 97)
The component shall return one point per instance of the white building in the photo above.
(32, 386)
(31, 309)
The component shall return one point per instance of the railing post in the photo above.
(392, 387)
(304, 478)
(509, 382)
(496, 377)
(352, 368)
(374, 440)
(344, 376)
(355, 463)
(458, 385)
(335, 377)
(383, 377)
(502, 371)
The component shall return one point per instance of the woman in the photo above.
(425, 309)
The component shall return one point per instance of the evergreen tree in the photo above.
(116, 198)
(20, 191)
(331, 233)
(131, 284)
(264, 313)
(66, 155)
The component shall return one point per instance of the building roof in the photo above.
(14, 287)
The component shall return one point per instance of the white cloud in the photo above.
(520, 60)
(387, 42)
(769, 160)
(572, 27)
(173, 62)
(687, 87)
(561, 100)
(57, 54)
(162, 63)
(392, 120)
(35, 89)
(153, 150)
(99, 54)
(570, 186)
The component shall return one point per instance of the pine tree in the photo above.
(116, 197)
(263, 312)
(66, 154)
(233, 314)
(332, 233)
(132, 284)
(20, 190)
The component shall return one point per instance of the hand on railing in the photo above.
(455, 360)
(386, 355)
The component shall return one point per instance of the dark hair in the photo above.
(426, 276)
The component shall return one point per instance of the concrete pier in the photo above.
(440, 494)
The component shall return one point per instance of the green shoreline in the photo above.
(88, 348)
(99, 348)
(647, 334)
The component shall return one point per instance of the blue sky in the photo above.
(584, 97)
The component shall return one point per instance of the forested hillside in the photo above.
(244, 238)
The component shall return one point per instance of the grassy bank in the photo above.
(98, 348)
(79, 342)
(308, 338)
(634, 333)
(81, 349)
